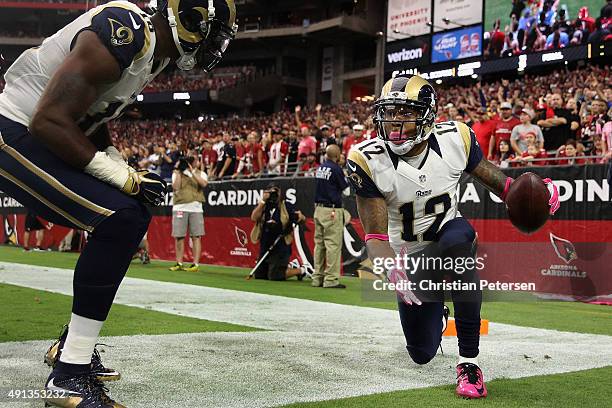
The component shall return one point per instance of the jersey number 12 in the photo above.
(408, 217)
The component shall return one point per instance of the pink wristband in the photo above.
(380, 237)
(509, 181)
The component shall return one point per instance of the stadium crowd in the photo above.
(197, 80)
(545, 25)
(561, 118)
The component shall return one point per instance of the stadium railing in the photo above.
(297, 172)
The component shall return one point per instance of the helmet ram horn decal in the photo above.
(407, 104)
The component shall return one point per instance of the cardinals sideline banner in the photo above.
(570, 255)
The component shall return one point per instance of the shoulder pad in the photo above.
(123, 31)
(372, 158)
(458, 143)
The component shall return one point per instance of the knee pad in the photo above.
(419, 356)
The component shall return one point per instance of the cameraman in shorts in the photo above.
(274, 217)
(188, 183)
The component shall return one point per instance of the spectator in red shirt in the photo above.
(242, 148)
(483, 128)
(599, 149)
(310, 165)
(570, 151)
(209, 157)
(533, 152)
(256, 154)
(352, 140)
(308, 144)
(278, 154)
(503, 127)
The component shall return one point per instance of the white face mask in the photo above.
(405, 147)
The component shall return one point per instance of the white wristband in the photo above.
(114, 154)
(104, 168)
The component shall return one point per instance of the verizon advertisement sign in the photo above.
(407, 18)
(410, 53)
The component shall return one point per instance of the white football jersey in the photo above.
(421, 197)
(123, 28)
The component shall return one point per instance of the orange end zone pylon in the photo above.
(451, 330)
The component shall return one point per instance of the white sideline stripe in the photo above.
(317, 351)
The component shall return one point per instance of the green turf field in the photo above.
(26, 315)
(565, 316)
(579, 389)
(495, 9)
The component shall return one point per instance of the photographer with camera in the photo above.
(188, 183)
(275, 218)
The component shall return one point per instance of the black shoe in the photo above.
(97, 368)
(145, 258)
(338, 286)
(79, 391)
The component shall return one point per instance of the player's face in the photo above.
(400, 123)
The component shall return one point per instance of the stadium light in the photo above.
(448, 21)
(431, 24)
(404, 34)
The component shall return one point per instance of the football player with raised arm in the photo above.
(57, 158)
(406, 186)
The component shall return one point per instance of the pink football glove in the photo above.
(396, 276)
(554, 196)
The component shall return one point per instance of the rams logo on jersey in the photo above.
(356, 179)
(121, 35)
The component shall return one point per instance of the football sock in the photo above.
(81, 340)
(468, 360)
(105, 260)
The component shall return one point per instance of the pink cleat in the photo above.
(470, 383)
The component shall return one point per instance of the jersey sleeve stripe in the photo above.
(475, 155)
(359, 160)
(146, 45)
(467, 140)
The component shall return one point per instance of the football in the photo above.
(527, 203)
